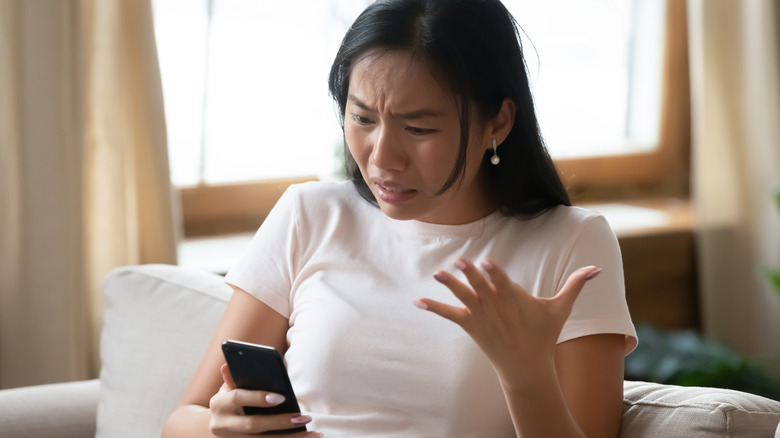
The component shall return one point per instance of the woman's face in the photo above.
(403, 130)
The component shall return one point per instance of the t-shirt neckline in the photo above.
(470, 229)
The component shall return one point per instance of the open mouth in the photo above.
(392, 193)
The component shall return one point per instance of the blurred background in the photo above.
(163, 131)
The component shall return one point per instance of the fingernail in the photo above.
(459, 264)
(594, 274)
(487, 265)
(420, 305)
(300, 419)
(274, 399)
(439, 276)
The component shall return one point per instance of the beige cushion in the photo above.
(654, 410)
(62, 410)
(158, 320)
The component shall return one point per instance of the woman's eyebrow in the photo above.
(359, 103)
(416, 114)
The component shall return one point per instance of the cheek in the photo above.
(356, 144)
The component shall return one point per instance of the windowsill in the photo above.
(647, 217)
(628, 219)
(214, 253)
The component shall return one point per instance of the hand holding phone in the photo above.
(261, 368)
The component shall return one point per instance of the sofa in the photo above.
(159, 318)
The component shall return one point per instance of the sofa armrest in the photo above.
(654, 410)
(59, 410)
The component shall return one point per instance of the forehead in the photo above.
(398, 79)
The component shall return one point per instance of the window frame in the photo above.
(212, 209)
(665, 170)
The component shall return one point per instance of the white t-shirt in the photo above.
(364, 362)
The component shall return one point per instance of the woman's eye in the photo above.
(360, 120)
(419, 131)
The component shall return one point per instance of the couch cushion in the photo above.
(654, 410)
(157, 323)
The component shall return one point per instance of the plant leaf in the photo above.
(777, 196)
(774, 279)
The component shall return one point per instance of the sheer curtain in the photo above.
(735, 74)
(84, 183)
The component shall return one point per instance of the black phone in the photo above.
(261, 368)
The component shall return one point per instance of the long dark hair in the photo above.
(475, 47)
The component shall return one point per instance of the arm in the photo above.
(550, 390)
(246, 318)
(579, 393)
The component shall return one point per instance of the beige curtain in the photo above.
(83, 174)
(735, 79)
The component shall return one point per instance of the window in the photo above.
(596, 72)
(245, 83)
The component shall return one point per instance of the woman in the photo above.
(448, 170)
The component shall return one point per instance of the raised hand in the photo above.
(511, 327)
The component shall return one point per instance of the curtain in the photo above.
(735, 85)
(84, 183)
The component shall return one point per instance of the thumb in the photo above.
(573, 286)
(227, 377)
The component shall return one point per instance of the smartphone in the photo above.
(258, 367)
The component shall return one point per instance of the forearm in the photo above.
(537, 407)
(190, 421)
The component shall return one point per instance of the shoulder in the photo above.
(327, 203)
(316, 192)
(558, 231)
(318, 196)
(568, 220)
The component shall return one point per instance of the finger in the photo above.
(253, 424)
(574, 284)
(475, 278)
(227, 377)
(464, 293)
(249, 398)
(497, 275)
(457, 315)
(259, 399)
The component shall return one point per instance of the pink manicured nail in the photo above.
(420, 305)
(300, 419)
(487, 265)
(274, 399)
(594, 274)
(439, 277)
(459, 264)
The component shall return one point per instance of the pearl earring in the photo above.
(494, 159)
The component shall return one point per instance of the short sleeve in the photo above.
(267, 268)
(601, 307)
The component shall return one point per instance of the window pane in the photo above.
(268, 110)
(181, 30)
(596, 70)
(246, 85)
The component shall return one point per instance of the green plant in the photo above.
(683, 357)
(772, 275)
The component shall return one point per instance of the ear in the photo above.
(501, 125)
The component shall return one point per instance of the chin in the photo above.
(399, 213)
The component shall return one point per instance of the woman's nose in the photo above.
(388, 153)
